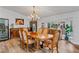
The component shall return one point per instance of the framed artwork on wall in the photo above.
(4, 29)
(19, 21)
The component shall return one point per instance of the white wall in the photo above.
(74, 16)
(8, 14)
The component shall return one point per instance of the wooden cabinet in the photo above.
(14, 32)
(33, 25)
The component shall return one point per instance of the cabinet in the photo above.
(33, 25)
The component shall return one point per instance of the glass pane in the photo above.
(3, 29)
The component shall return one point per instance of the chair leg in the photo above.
(22, 44)
(27, 47)
(57, 48)
(37, 45)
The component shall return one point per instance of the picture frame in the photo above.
(19, 21)
(4, 29)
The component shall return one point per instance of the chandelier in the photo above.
(34, 15)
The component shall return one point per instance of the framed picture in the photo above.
(4, 29)
(19, 21)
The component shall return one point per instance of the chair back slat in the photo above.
(23, 37)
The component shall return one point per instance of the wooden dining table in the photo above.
(40, 37)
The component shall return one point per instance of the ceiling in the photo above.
(43, 11)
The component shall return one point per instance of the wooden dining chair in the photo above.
(21, 38)
(55, 39)
(43, 31)
(25, 41)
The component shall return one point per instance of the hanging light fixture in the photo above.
(34, 15)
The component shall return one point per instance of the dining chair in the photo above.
(55, 39)
(44, 32)
(21, 38)
(25, 41)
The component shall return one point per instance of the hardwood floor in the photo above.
(68, 47)
(13, 46)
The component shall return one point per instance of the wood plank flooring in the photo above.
(13, 46)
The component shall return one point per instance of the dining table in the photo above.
(40, 37)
